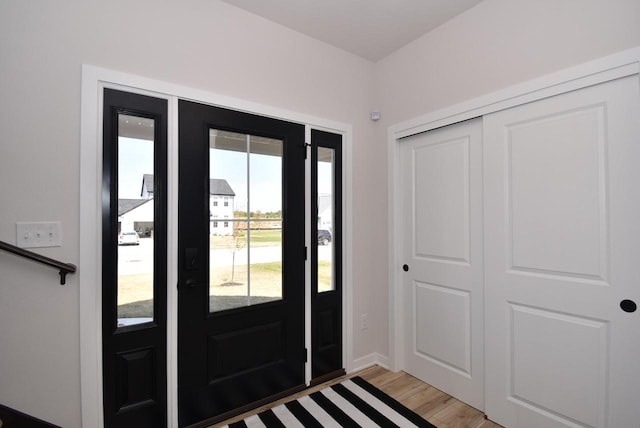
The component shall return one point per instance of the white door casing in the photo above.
(442, 249)
(561, 232)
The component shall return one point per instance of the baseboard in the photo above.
(370, 360)
(14, 419)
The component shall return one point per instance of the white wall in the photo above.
(204, 44)
(496, 44)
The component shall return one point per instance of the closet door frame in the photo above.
(622, 64)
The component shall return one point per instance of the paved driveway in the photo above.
(137, 259)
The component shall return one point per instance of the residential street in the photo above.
(137, 259)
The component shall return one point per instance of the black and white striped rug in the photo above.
(351, 403)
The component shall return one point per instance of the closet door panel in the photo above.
(561, 253)
(442, 252)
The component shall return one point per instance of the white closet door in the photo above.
(562, 197)
(442, 250)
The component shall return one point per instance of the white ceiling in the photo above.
(371, 29)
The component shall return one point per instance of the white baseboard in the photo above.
(368, 361)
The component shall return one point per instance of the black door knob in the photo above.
(405, 268)
(628, 305)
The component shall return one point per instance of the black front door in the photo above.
(241, 261)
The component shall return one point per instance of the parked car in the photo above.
(324, 237)
(128, 238)
(144, 233)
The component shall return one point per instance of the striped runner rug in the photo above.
(351, 403)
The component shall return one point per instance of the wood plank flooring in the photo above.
(432, 404)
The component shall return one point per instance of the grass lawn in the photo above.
(259, 238)
(270, 236)
(325, 276)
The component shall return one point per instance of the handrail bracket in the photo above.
(64, 268)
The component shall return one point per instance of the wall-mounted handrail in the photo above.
(64, 268)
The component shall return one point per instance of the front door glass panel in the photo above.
(325, 217)
(135, 219)
(245, 220)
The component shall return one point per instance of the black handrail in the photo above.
(64, 268)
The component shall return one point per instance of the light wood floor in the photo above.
(432, 404)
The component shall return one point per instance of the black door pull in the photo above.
(628, 305)
(405, 268)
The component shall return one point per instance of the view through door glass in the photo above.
(135, 219)
(326, 219)
(245, 227)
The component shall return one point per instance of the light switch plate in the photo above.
(38, 234)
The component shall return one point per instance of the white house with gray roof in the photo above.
(221, 207)
(135, 214)
(221, 203)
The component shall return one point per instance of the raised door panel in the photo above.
(433, 305)
(576, 388)
(441, 201)
(556, 192)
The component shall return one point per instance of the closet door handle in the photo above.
(405, 268)
(628, 305)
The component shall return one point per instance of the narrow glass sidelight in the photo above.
(245, 220)
(326, 218)
(134, 260)
(135, 237)
(326, 256)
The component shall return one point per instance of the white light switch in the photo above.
(38, 234)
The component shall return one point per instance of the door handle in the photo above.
(405, 268)
(628, 305)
